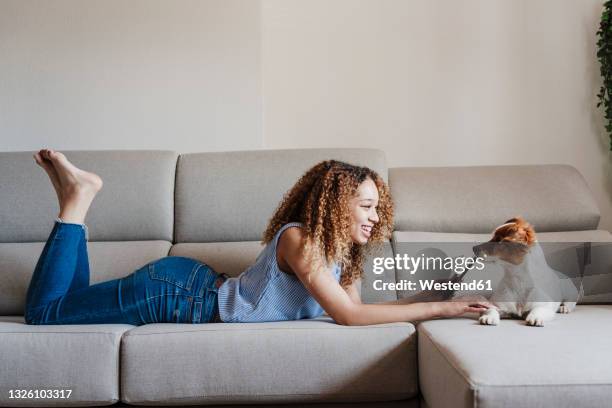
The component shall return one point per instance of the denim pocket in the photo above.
(177, 271)
(168, 308)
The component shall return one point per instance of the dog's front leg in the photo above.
(489, 317)
(539, 315)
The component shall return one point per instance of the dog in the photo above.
(530, 289)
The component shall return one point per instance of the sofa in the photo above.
(214, 207)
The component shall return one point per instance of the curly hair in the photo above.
(320, 200)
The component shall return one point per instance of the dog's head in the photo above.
(510, 243)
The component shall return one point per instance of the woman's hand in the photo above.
(453, 308)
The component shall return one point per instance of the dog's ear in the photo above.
(514, 220)
(507, 227)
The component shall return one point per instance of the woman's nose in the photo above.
(374, 217)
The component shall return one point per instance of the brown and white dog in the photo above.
(530, 289)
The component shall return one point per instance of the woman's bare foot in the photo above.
(77, 188)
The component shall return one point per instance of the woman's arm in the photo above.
(354, 291)
(341, 307)
(423, 296)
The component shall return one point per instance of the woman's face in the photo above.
(363, 211)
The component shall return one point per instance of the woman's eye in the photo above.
(366, 206)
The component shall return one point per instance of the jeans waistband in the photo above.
(218, 282)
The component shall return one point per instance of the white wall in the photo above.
(439, 82)
(431, 82)
(137, 74)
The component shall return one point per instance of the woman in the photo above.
(312, 262)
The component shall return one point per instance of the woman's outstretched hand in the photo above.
(459, 306)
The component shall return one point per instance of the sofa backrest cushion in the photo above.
(107, 260)
(564, 252)
(231, 196)
(136, 202)
(233, 258)
(477, 199)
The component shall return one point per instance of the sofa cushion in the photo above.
(477, 199)
(370, 283)
(230, 196)
(559, 236)
(136, 202)
(307, 360)
(564, 252)
(82, 358)
(107, 260)
(564, 364)
(233, 258)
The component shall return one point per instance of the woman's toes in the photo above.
(58, 158)
(41, 156)
(42, 162)
(46, 165)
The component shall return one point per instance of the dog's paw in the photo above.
(489, 320)
(567, 307)
(534, 320)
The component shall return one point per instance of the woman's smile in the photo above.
(367, 230)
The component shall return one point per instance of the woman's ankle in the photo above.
(72, 214)
(67, 221)
(62, 221)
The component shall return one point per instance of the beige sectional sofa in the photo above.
(214, 207)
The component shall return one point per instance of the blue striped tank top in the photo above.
(264, 293)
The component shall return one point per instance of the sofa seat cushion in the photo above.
(564, 364)
(82, 358)
(293, 361)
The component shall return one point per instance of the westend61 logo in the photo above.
(458, 265)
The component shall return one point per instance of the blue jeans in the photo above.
(169, 290)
